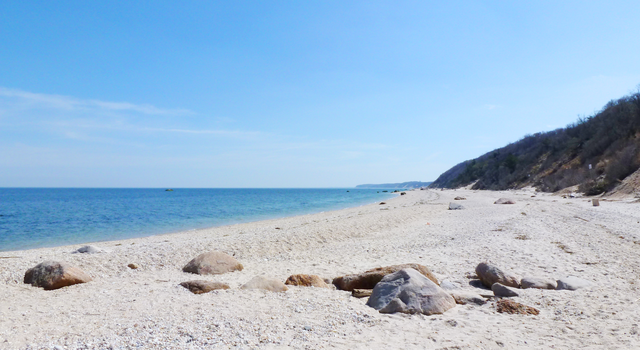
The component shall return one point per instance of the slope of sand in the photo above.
(146, 308)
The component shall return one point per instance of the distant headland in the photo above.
(406, 185)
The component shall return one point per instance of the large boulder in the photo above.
(200, 286)
(537, 283)
(408, 291)
(573, 283)
(490, 274)
(53, 275)
(264, 283)
(448, 285)
(369, 279)
(212, 263)
(306, 281)
(504, 201)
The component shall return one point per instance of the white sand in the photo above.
(146, 308)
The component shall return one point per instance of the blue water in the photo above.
(47, 217)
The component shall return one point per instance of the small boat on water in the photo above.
(168, 189)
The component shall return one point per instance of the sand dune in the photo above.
(545, 236)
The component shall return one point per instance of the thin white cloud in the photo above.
(207, 132)
(71, 103)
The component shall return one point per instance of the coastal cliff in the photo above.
(595, 153)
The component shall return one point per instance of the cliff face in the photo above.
(595, 153)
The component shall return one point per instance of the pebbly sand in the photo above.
(545, 236)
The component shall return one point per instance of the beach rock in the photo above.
(368, 279)
(464, 297)
(573, 283)
(511, 307)
(409, 291)
(383, 203)
(501, 290)
(538, 283)
(455, 206)
(200, 286)
(212, 263)
(306, 281)
(448, 285)
(403, 193)
(459, 199)
(133, 266)
(361, 293)
(89, 249)
(53, 275)
(504, 201)
(264, 283)
(490, 274)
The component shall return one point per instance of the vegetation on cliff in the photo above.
(595, 153)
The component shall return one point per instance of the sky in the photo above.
(294, 93)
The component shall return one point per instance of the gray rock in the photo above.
(408, 291)
(89, 249)
(504, 201)
(455, 206)
(448, 285)
(538, 283)
(573, 283)
(463, 297)
(490, 274)
(212, 263)
(368, 279)
(264, 283)
(200, 287)
(53, 275)
(501, 290)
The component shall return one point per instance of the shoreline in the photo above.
(186, 230)
(126, 308)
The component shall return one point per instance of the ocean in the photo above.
(48, 217)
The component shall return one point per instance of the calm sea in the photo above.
(47, 217)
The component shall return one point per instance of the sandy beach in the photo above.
(545, 235)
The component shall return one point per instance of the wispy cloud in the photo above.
(91, 119)
(71, 103)
(220, 132)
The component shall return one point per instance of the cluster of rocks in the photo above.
(504, 283)
(407, 288)
(52, 275)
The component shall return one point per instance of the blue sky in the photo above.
(294, 94)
